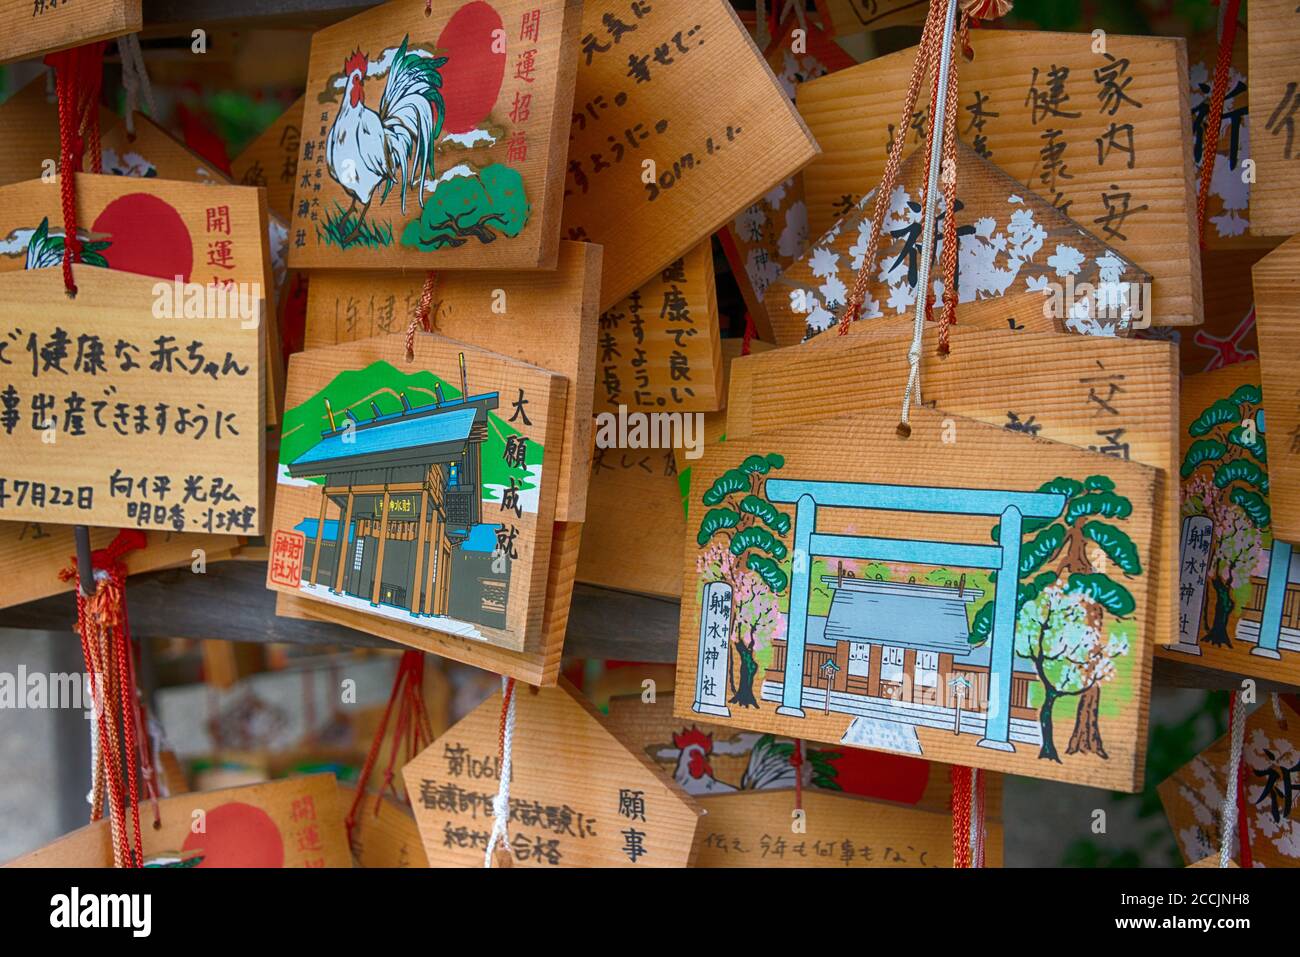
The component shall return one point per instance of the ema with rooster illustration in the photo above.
(399, 114)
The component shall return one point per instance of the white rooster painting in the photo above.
(414, 136)
(766, 762)
(373, 150)
(42, 247)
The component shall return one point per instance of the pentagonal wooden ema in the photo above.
(1100, 130)
(1277, 318)
(578, 796)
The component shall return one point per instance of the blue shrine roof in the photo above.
(308, 527)
(403, 432)
(481, 538)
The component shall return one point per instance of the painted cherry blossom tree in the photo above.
(1083, 552)
(740, 540)
(1059, 632)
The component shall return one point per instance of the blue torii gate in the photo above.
(1010, 507)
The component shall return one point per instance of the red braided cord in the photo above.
(926, 53)
(96, 150)
(505, 710)
(105, 635)
(126, 690)
(948, 261)
(401, 738)
(67, 187)
(99, 697)
(1213, 119)
(796, 760)
(750, 331)
(363, 779)
(961, 811)
(421, 318)
(78, 77)
(96, 619)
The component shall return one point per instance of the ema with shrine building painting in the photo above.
(415, 492)
(1239, 588)
(993, 616)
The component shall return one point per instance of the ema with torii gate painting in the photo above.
(968, 594)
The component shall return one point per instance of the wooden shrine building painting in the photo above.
(433, 457)
(419, 495)
(973, 617)
(875, 645)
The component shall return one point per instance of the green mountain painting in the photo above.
(383, 384)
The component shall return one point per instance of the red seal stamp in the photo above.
(285, 566)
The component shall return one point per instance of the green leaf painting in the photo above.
(481, 206)
(776, 520)
(715, 519)
(1219, 413)
(1042, 549)
(1241, 470)
(756, 537)
(728, 482)
(1115, 598)
(1253, 504)
(1119, 548)
(1105, 504)
(769, 571)
(1200, 452)
(383, 384)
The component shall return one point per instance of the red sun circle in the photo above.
(238, 835)
(471, 77)
(148, 237)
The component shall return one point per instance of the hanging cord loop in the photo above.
(924, 55)
(79, 75)
(106, 646)
(1214, 116)
(948, 179)
(1232, 813)
(422, 318)
(135, 78)
(501, 803)
(412, 730)
(929, 205)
